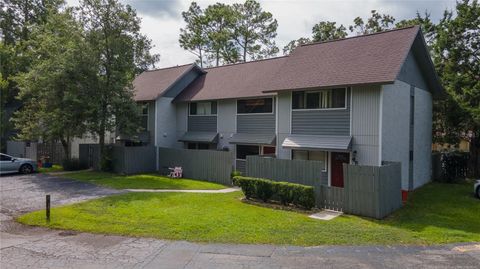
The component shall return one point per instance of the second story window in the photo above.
(322, 99)
(144, 116)
(261, 105)
(203, 108)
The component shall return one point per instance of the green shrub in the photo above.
(235, 173)
(284, 192)
(72, 165)
(264, 189)
(248, 187)
(303, 196)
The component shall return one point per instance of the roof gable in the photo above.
(421, 55)
(150, 85)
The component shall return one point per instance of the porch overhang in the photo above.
(253, 139)
(202, 137)
(318, 142)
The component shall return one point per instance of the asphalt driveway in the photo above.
(33, 247)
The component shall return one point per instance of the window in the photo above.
(268, 150)
(244, 150)
(203, 108)
(144, 116)
(332, 98)
(263, 105)
(198, 146)
(312, 156)
(5, 158)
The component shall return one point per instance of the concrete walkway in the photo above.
(227, 190)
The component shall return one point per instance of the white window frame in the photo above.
(327, 157)
(202, 115)
(260, 150)
(317, 91)
(263, 113)
(147, 106)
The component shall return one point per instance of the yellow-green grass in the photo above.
(54, 168)
(435, 214)
(142, 181)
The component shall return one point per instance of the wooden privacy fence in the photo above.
(89, 155)
(295, 171)
(210, 165)
(125, 160)
(132, 160)
(372, 191)
(330, 197)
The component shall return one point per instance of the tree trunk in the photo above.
(201, 57)
(101, 141)
(66, 147)
(474, 162)
(245, 50)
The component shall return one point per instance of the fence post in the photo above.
(47, 211)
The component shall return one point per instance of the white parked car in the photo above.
(10, 164)
(476, 188)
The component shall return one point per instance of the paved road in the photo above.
(31, 247)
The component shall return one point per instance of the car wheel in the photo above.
(478, 192)
(26, 169)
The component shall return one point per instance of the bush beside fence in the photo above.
(284, 192)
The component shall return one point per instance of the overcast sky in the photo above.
(161, 19)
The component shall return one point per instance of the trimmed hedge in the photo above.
(284, 192)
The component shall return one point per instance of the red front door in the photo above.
(338, 159)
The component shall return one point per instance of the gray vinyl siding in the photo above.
(202, 123)
(422, 138)
(283, 124)
(226, 113)
(322, 122)
(396, 126)
(256, 123)
(151, 122)
(366, 110)
(411, 73)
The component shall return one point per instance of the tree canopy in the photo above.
(223, 34)
(56, 89)
(122, 52)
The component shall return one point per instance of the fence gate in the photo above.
(330, 197)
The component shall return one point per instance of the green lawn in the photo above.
(437, 213)
(142, 181)
(54, 168)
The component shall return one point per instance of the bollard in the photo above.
(47, 211)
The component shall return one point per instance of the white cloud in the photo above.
(161, 20)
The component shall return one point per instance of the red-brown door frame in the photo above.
(337, 159)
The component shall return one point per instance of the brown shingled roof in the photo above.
(151, 84)
(367, 59)
(241, 80)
